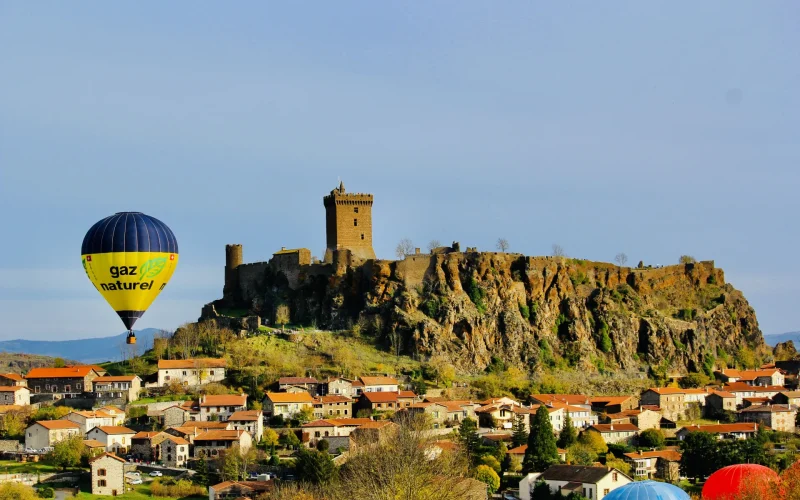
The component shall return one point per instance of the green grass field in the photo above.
(141, 492)
(14, 467)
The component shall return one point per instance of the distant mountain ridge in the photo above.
(94, 350)
(773, 340)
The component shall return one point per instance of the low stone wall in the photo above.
(10, 445)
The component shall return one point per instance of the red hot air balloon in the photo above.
(730, 481)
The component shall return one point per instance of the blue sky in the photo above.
(651, 128)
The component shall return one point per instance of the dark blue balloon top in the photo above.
(648, 490)
(129, 232)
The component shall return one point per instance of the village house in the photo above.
(383, 401)
(616, 433)
(565, 399)
(222, 406)
(643, 419)
(46, 433)
(172, 451)
(88, 420)
(191, 372)
(671, 401)
(251, 421)
(722, 431)
(370, 433)
(7, 379)
(116, 437)
(192, 429)
(581, 417)
(287, 404)
(659, 464)
(436, 412)
(67, 382)
(379, 384)
(333, 406)
(332, 427)
(108, 475)
(613, 404)
(775, 416)
(593, 483)
(15, 395)
(518, 453)
(142, 446)
(345, 387)
(743, 391)
(95, 447)
(176, 416)
(212, 443)
(503, 416)
(124, 387)
(718, 402)
(231, 490)
(309, 384)
(766, 377)
(787, 398)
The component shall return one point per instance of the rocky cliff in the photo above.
(531, 312)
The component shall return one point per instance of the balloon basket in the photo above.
(131, 339)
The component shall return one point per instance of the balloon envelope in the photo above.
(648, 490)
(729, 481)
(129, 257)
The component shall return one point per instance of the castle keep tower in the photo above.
(233, 259)
(348, 223)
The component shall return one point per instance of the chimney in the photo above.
(612, 427)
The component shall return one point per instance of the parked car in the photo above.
(156, 473)
(136, 481)
(134, 474)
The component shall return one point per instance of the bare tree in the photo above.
(621, 259)
(433, 244)
(558, 250)
(687, 259)
(282, 315)
(502, 244)
(404, 247)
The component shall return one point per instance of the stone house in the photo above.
(613, 404)
(765, 377)
(68, 382)
(616, 433)
(722, 431)
(175, 416)
(108, 475)
(192, 429)
(644, 418)
(370, 433)
(221, 407)
(212, 443)
(309, 384)
(719, 401)
(661, 464)
(251, 421)
(338, 427)
(191, 372)
(7, 379)
(46, 433)
(287, 404)
(116, 437)
(124, 387)
(743, 391)
(345, 387)
(172, 451)
(503, 415)
(379, 384)
(383, 401)
(567, 399)
(333, 406)
(230, 490)
(581, 417)
(787, 398)
(777, 417)
(671, 401)
(18, 395)
(593, 483)
(436, 412)
(518, 453)
(88, 420)
(142, 446)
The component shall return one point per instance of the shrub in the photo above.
(486, 474)
(525, 311)
(476, 295)
(687, 259)
(176, 489)
(652, 438)
(431, 307)
(606, 345)
(46, 492)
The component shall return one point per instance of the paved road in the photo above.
(62, 495)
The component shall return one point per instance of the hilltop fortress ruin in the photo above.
(473, 307)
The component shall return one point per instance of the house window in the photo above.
(36, 389)
(355, 209)
(101, 472)
(211, 372)
(606, 491)
(614, 477)
(101, 482)
(362, 236)
(355, 222)
(184, 372)
(67, 388)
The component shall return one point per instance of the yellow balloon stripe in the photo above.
(130, 281)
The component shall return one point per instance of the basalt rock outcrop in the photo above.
(531, 312)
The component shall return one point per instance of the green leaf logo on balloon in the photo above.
(152, 268)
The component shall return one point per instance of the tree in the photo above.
(619, 464)
(230, 467)
(652, 438)
(433, 244)
(694, 379)
(581, 454)
(502, 244)
(790, 482)
(282, 315)
(491, 461)
(593, 440)
(568, 435)
(698, 458)
(542, 451)
(201, 467)
(58, 363)
(468, 435)
(404, 247)
(558, 250)
(314, 466)
(50, 413)
(270, 438)
(289, 439)
(17, 491)
(67, 452)
(486, 474)
(621, 259)
(519, 433)
(687, 259)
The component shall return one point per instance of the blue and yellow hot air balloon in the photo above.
(129, 257)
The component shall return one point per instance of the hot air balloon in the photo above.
(728, 482)
(129, 257)
(647, 490)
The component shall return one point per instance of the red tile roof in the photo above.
(109, 455)
(723, 428)
(224, 400)
(167, 364)
(380, 397)
(378, 380)
(406, 394)
(669, 455)
(145, 435)
(13, 388)
(12, 376)
(58, 424)
(116, 378)
(289, 397)
(114, 429)
(219, 435)
(333, 398)
(71, 372)
(297, 380)
(245, 416)
(615, 428)
(93, 443)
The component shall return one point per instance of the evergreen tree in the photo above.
(314, 466)
(568, 435)
(201, 477)
(542, 451)
(519, 434)
(468, 435)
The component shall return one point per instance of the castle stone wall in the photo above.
(251, 279)
(415, 268)
(348, 222)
